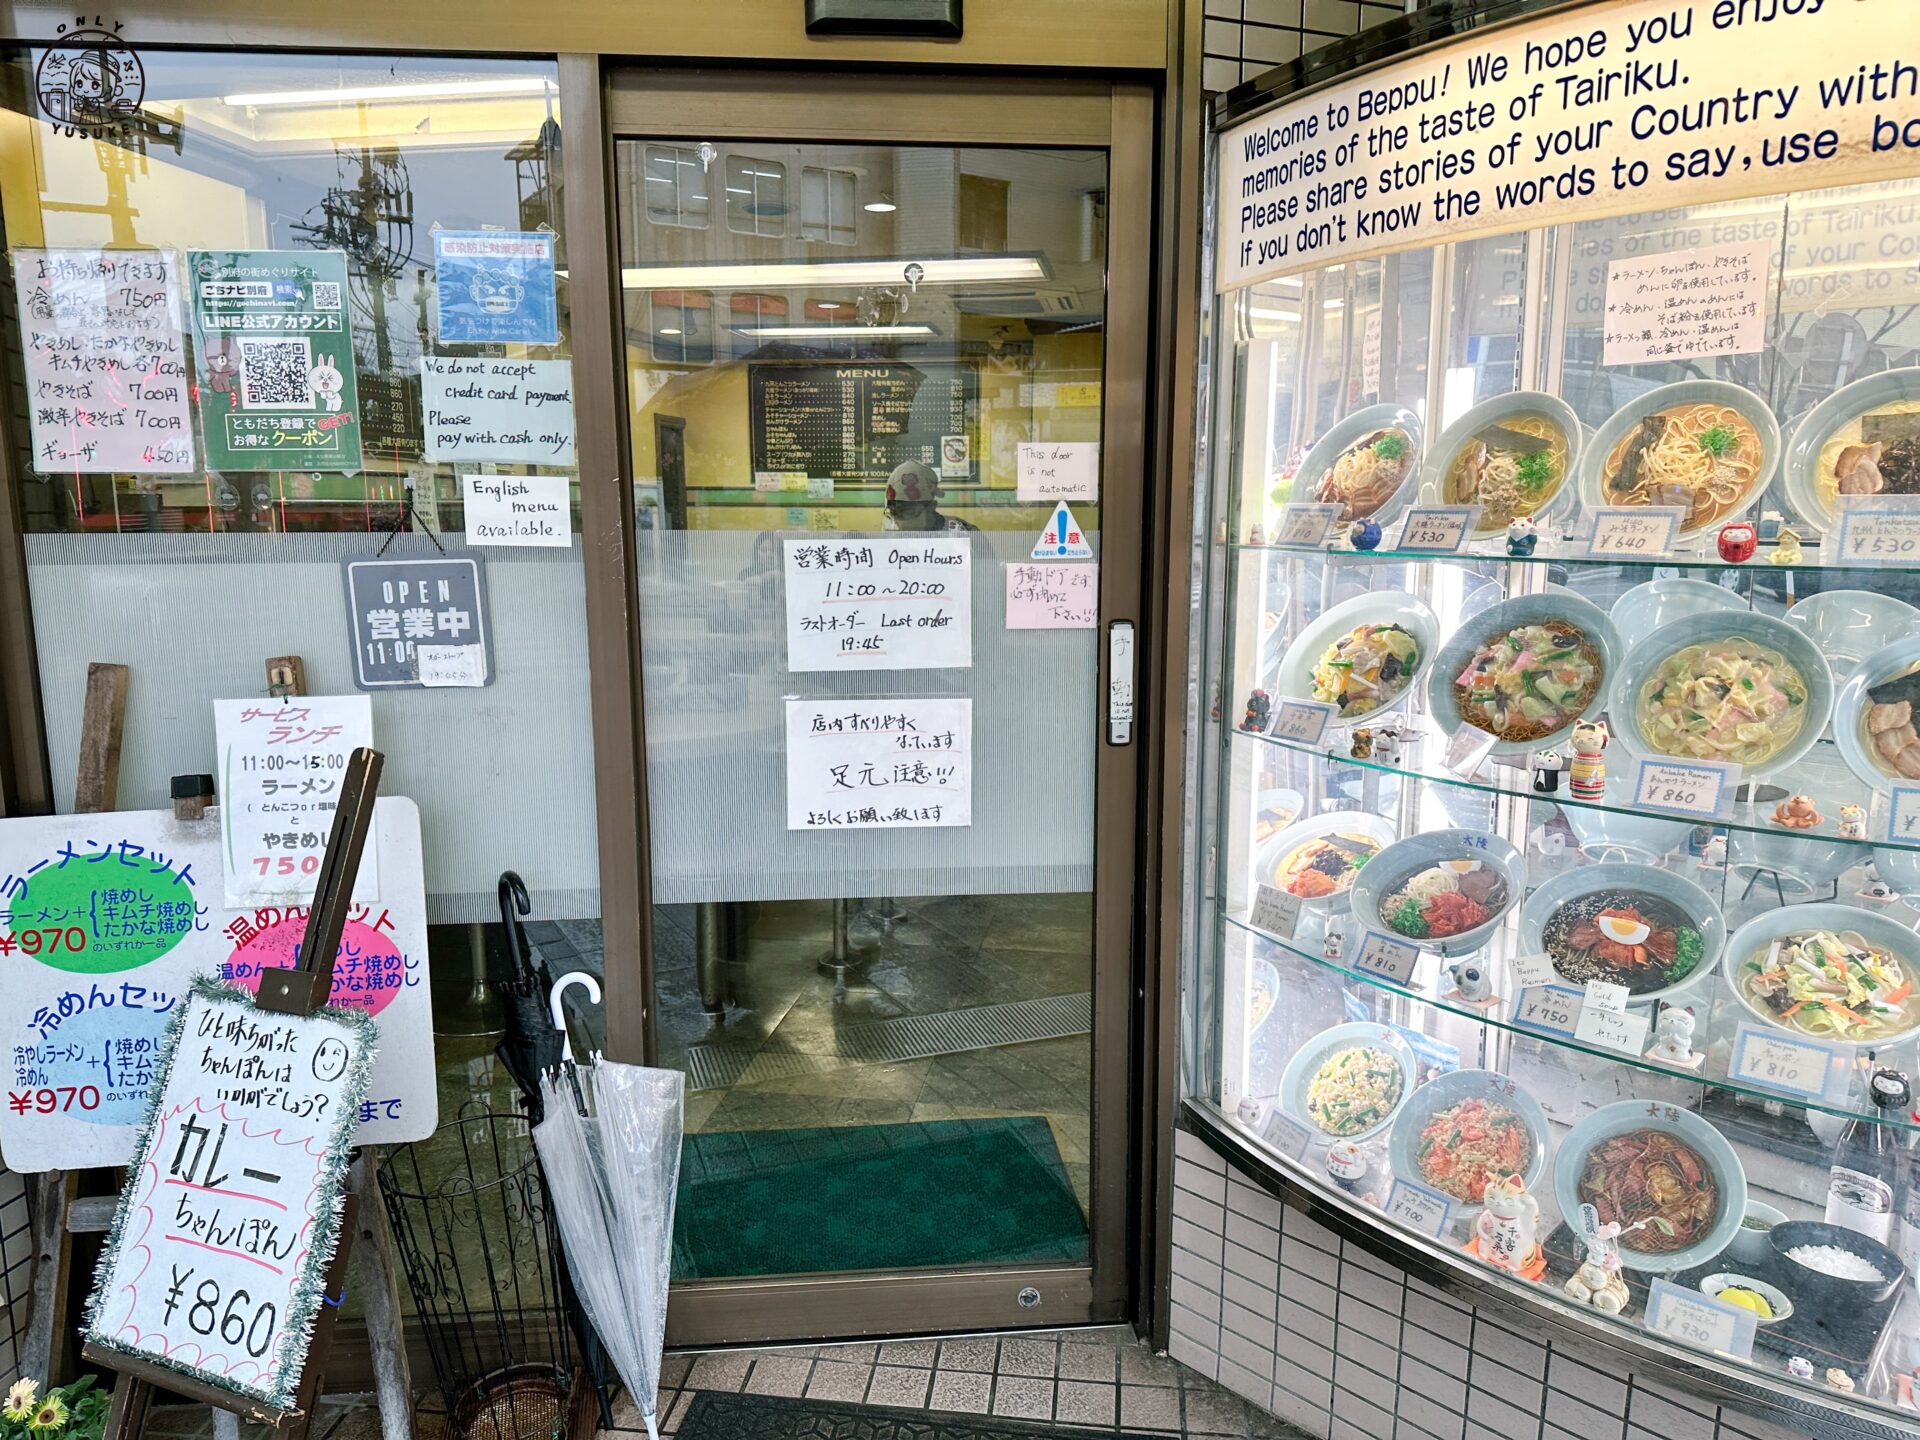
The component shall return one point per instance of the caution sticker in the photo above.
(1062, 540)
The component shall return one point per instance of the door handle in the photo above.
(1120, 683)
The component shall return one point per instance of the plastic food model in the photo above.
(1598, 1282)
(1325, 865)
(1364, 476)
(1509, 469)
(1797, 813)
(1547, 765)
(1528, 682)
(1364, 534)
(1362, 746)
(1787, 552)
(1738, 540)
(1259, 710)
(1651, 1180)
(1366, 668)
(1890, 723)
(1702, 456)
(1830, 985)
(1443, 899)
(1727, 699)
(1853, 822)
(1522, 536)
(1506, 1236)
(1624, 936)
(1673, 1039)
(1587, 775)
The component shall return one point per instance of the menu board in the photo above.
(857, 421)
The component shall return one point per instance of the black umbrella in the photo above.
(532, 1046)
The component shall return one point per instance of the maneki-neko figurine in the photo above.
(1507, 1234)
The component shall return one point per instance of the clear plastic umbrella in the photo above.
(612, 1168)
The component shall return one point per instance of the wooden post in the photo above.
(102, 723)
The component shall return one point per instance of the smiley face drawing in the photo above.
(330, 1058)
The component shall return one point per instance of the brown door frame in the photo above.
(989, 109)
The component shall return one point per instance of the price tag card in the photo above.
(1305, 526)
(1612, 1030)
(1467, 747)
(1275, 911)
(1903, 819)
(1303, 720)
(1437, 529)
(1703, 789)
(1553, 1008)
(1877, 530)
(1425, 1210)
(1386, 957)
(1529, 970)
(1634, 532)
(1605, 995)
(1286, 1134)
(1692, 1319)
(1788, 1063)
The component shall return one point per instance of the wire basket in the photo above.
(474, 1231)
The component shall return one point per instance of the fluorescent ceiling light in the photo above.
(419, 90)
(669, 330)
(883, 206)
(829, 332)
(775, 273)
(828, 304)
(1333, 305)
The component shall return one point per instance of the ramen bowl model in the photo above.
(1349, 1082)
(1740, 688)
(1707, 446)
(1655, 932)
(1525, 671)
(1863, 439)
(1465, 1128)
(1363, 656)
(1319, 858)
(1368, 464)
(1835, 973)
(1849, 625)
(1446, 890)
(1876, 717)
(1668, 1177)
(1512, 455)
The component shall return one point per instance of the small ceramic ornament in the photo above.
(1853, 822)
(1507, 1234)
(1738, 540)
(1386, 745)
(1249, 1112)
(1259, 711)
(1797, 812)
(1257, 536)
(1364, 534)
(1673, 1039)
(1472, 982)
(1522, 536)
(1587, 775)
(1598, 1282)
(1362, 746)
(1357, 1169)
(1713, 855)
(1334, 941)
(1800, 1368)
(1787, 552)
(1838, 1379)
(1548, 766)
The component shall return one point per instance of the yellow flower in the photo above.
(20, 1397)
(50, 1418)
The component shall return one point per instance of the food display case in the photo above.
(1557, 811)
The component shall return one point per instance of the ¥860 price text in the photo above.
(234, 1317)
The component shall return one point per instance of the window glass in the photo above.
(675, 181)
(756, 196)
(826, 205)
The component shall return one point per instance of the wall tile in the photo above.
(1248, 1384)
(1190, 1352)
(1197, 1328)
(1441, 1387)
(1304, 1382)
(1360, 1416)
(1257, 1205)
(1600, 1390)
(1204, 1213)
(1299, 1410)
(1192, 1151)
(1247, 1350)
(1207, 1184)
(1308, 1325)
(1262, 1271)
(1206, 1244)
(1251, 1235)
(1307, 1260)
(1251, 1324)
(1376, 1290)
(1357, 1345)
(1674, 1422)
(1529, 1357)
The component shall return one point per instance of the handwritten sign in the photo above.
(229, 1217)
(1606, 1029)
(281, 763)
(104, 922)
(102, 334)
(1286, 1134)
(1634, 532)
(1692, 1319)
(1304, 721)
(879, 764)
(1877, 530)
(772, 482)
(1687, 304)
(1050, 471)
(514, 412)
(1774, 1061)
(899, 603)
(1553, 1008)
(1903, 815)
(518, 510)
(1529, 970)
(1427, 1211)
(1044, 596)
(1386, 957)
(1275, 911)
(1437, 529)
(1305, 526)
(1701, 788)
(1605, 995)
(451, 667)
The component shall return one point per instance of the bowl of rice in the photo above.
(1840, 1266)
(1349, 1082)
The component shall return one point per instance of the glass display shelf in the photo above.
(1573, 552)
(1718, 1017)
(1820, 775)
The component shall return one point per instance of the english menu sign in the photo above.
(1606, 109)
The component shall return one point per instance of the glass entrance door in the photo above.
(875, 483)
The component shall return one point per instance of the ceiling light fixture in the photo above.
(418, 90)
(883, 206)
(831, 332)
(773, 274)
(669, 330)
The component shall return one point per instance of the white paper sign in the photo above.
(224, 1230)
(1877, 530)
(819, 487)
(105, 361)
(1305, 525)
(1903, 815)
(1605, 995)
(1286, 1134)
(1386, 957)
(1687, 304)
(1634, 532)
(1304, 721)
(1766, 1057)
(514, 412)
(896, 602)
(1554, 1008)
(1415, 1205)
(1370, 354)
(879, 764)
(1611, 1029)
(1041, 596)
(281, 764)
(1703, 789)
(1051, 471)
(1529, 970)
(1437, 529)
(105, 920)
(1275, 911)
(1691, 1318)
(518, 510)
(451, 666)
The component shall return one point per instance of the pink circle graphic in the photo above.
(368, 972)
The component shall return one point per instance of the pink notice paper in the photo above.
(1052, 596)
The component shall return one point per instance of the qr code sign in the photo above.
(273, 374)
(326, 294)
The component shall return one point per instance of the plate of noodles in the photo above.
(1738, 687)
(1641, 926)
(1833, 972)
(1666, 1176)
(1511, 455)
(1864, 439)
(1444, 890)
(1368, 465)
(1525, 670)
(1466, 1128)
(1318, 859)
(1708, 446)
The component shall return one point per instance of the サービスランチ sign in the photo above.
(1607, 109)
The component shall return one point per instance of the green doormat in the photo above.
(714, 1416)
(874, 1197)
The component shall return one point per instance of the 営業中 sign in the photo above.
(902, 602)
(104, 922)
(105, 354)
(879, 764)
(275, 347)
(494, 287)
(395, 606)
(215, 1262)
(513, 412)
